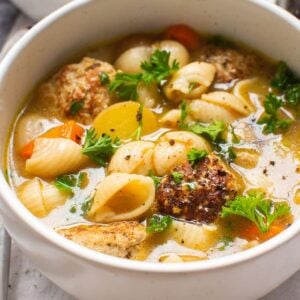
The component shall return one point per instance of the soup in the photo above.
(169, 147)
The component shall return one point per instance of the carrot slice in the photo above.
(69, 130)
(183, 34)
(251, 232)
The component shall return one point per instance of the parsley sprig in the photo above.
(67, 183)
(157, 224)
(99, 149)
(194, 156)
(158, 68)
(156, 179)
(271, 120)
(253, 206)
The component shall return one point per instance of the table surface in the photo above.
(25, 282)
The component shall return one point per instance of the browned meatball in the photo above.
(230, 63)
(79, 83)
(201, 192)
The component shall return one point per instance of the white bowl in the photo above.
(90, 275)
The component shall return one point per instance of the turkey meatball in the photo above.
(77, 91)
(197, 193)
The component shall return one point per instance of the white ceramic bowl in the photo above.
(90, 275)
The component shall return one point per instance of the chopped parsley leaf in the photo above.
(104, 78)
(65, 183)
(211, 131)
(195, 155)
(226, 240)
(177, 177)
(253, 206)
(183, 115)
(157, 224)
(99, 149)
(86, 205)
(76, 107)
(156, 179)
(73, 209)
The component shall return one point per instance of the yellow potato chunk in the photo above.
(120, 120)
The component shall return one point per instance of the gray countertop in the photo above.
(25, 282)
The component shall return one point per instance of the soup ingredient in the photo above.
(118, 239)
(271, 121)
(255, 207)
(101, 149)
(40, 197)
(194, 156)
(66, 183)
(230, 63)
(156, 179)
(69, 130)
(155, 70)
(190, 81)
(76, 83)
(213, 186)
(121, 197)
(76, 107)
(172, 148)
(54, 157)
(195, 236)
(212, 131)
(177, 177)
(130, 61)
(119, 120)
(134, 157)
(183, 34)
(177, 51)
(157, 224)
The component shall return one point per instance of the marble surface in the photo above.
(26, 282)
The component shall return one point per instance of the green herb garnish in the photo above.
(99, 149)
(66, 183)
(211, 131)
(73, 209)
(76, 107)
(283, 77)
(253, 206)
(104, 78)
(195, 155)
(86, 205)
(270, 120)
(183, 115)
(157, 224)
(155, 70)
(177, 177)
(139, 118)
(292, 95)
(156, 179)
(226, 240)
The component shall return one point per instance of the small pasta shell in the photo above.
(52, 197)
(148, 95)
(200, 237)
(171, 118)
(122, 197)
(229, 101)
(130, 60)
(207, 112)
(134, 157)
(177, 51)
(30, 194)
(172, 149)
(167, 156)
(53, 157)
(190, 82)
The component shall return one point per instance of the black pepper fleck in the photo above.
(127, 157)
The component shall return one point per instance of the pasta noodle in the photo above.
(172, 149)
(200, 237)
(53, 157)
(134, 157)
(40, 197)
(177, 51)
(130, 61)
(190, 82)
(207, 112)
(122, 197)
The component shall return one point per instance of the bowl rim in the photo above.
(91, 256)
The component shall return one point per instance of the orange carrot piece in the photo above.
(183, 34)
(69, 130)
(274, 230)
